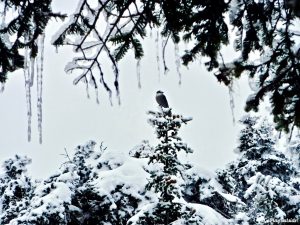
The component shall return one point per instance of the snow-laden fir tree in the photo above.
(261, 176)
(166, 174)
(16, 188)
(52, 200)
(167, 180)
(92, 187)
(113, 190)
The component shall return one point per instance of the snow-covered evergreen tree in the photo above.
(88, 189)
(52, 200)
(261, 176)
(151, 185)
(167, 177)
(114, 190)
(16, 188)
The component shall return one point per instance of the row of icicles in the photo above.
(33, 68)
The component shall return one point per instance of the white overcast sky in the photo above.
(71, 119)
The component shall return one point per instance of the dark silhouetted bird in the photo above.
(161, 99)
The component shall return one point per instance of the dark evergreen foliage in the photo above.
(267, 29)
(21, 31)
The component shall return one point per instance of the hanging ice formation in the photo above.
(2, 86)
(177, 61)
(157, 54)
(231, 101)
(39, 84)
(164, 45)
(30, 66)
(138, 72)
(28, 86)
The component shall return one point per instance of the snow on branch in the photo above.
(124, 26)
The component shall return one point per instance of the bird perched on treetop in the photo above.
(161, 99)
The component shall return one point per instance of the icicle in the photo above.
(291, 134)
(28, 93)
(119, 97)
(32, 62)
(138, 72)
(110, 99)
(231, 100)
(40, 68)
(97, 95)
(164, 45)
(86, 88)
(116, 83)
(2, 86)
(177, 61)
(95, 86)
(157, 54)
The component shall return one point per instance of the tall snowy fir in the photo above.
(166, 178)
(167, 174)
(262, 177)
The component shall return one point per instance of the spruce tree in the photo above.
(262, 177)
(107, 196)
(173, 184)
(168, 182)
(54, 198)
(166, 175)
